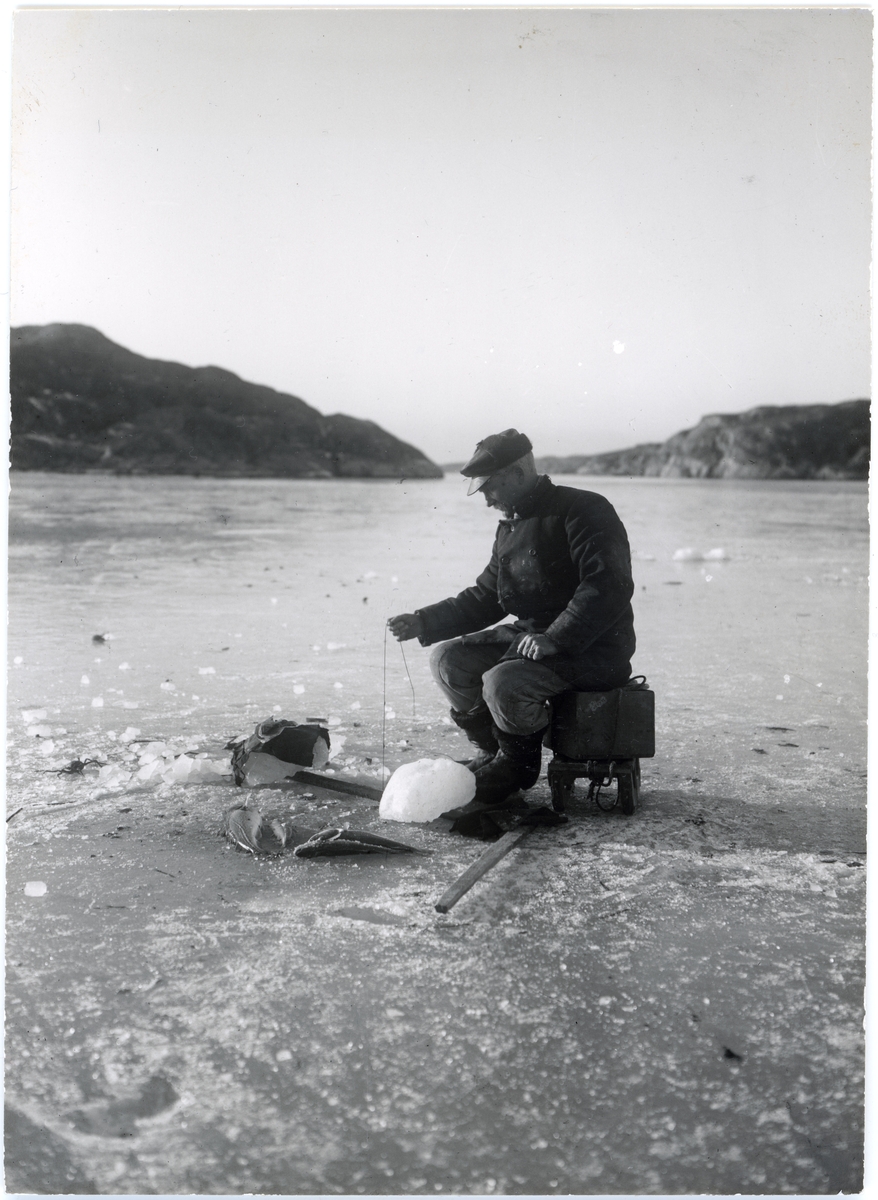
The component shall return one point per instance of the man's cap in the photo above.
(496, 452)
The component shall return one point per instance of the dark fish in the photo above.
(330, 842)
(260, 833)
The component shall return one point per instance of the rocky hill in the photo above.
(82, 403)
(813, 441)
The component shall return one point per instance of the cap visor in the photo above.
(477, 484)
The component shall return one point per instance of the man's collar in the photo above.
(526, 505)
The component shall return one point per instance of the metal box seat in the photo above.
(601, 736)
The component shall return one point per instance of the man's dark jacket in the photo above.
(563, 567)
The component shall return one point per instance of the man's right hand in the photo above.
(406, 626)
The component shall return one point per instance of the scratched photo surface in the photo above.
(274, 274)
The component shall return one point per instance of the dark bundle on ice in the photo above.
(299, 745)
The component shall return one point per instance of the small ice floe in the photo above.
(130, 704)
(355, 706)
(421, 790)
(40, 731)
(129, 734)
(152, 751)
(30, 715)
(337, 746)
(336, 645)
(18, 660)
(85, 681)
(35, 887)
(298, 689)
(389, 713)
(196, 770)
(112, 776)
(688, 554)
(167, 686)
(124, 666)
(337, 685)
(97, 702)
(333, 721)
(207, 670)
(47, 748)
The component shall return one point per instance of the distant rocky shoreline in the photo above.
(813, 441)
(81, 403)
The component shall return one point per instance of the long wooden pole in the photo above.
(480, 867)
(338, 785)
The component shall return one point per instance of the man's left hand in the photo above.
(536, 646)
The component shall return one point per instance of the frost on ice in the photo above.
(421, 790)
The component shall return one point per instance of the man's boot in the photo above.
(515, 767)
(478, 725)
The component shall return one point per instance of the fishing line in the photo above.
(384, 708)
(411, 685)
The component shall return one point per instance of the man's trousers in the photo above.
(517, 690)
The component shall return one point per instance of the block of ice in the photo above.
(265, 768)
(111, 775)
(182, 768)
(421, 790)
(687, 554)
(150, 770)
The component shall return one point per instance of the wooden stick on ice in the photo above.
(346, 786)
(481, 867)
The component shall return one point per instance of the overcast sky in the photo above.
(596, 226)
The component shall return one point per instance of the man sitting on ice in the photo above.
(562, 566)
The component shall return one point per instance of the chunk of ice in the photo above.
(29, 715)
(421, 790)
(111, 775)
(97, 702)
(35, 887)
(687, 554)
(150, 770)
(265, 768)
